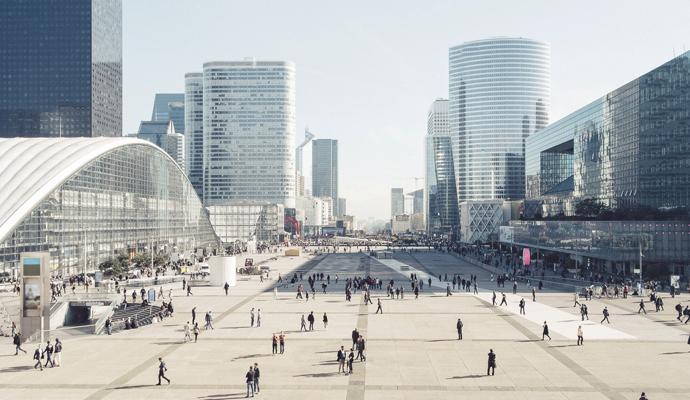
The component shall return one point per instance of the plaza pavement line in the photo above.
(561, 322)
(119, 382)
(356, 382)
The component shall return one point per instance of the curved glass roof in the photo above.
(32, 168)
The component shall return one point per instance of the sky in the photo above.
(367, 71)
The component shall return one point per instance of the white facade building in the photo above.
(249, 132)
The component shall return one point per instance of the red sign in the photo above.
(526, 257)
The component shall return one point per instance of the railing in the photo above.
(100, 324)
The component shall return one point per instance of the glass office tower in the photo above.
(169, 107)
(194, 126)
(324, 170)
(499, 94)
(60, 68)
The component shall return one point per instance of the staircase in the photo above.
(143, 314)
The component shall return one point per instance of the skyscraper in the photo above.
(163, 135)
(60, 68)
(499, 94)
(324, 170)
(248, 132)
(397, 202)
(440, 195)
(169, 107)
(194, 126)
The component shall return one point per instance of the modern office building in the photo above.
(397, 201)
(440, 195)
(499, 94)
(60, 68)
(85, 200)
(417, 202)
(324, 170)
(169, 107)
(164, 135)
(194, 130)
(248, 132)
(629, 148)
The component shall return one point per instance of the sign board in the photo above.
(35, 293)
(151, 295)
(505, 234)
(526, 257)
(675, 281)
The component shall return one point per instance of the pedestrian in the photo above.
(341, 359)
(545, 332)
(522, 306)
(583, 312)
(258, 318)
(187, 333)
(580, 340)
(249, 377)
(48, 353)
(534, 294)
(161, 371)
(281, 339)
(275, 293)
(605, 313)
(196, 331)
(109, 326)
(17, 340)
(491, 362)
(311, 319)
(193, 315)
(355, 336)
(303, 324)
(189, 291)
(448, 292)
(643, 396)
(642, 307)
(184, 284)
(325, 321)
(58, 352)
(256, 378)
(575, 298)
(361, 345)
(350, 361)
(493, 298)
(679, 310)
(378, 308)
(458, 326)
(226, 287)
(251, 318)
(209, 321)
(274, 343)
(38, 354)
(503, 299)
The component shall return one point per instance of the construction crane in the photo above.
(308, 136)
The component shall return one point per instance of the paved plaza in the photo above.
(412, 348)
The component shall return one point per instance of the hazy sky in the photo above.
(367, 71)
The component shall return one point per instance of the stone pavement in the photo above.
(413, 351)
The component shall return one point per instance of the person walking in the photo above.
(355, 336)
(249, 378)
(57, 358)
(257, 374)
(162, 369)
(325, 321)
(303, 324)
(643, 396)
(281, 340)
(311, 319)
(109, 326)
(378, 308)
(493, 297)
(274, 343)
(341, 359)
(605, 313)
(458, 326)
(580, 340)
(545, 331)
(258, 318)
(187, 333)
(491, 362)
(534, 294)
(361, 345)
(583, 312)
(350, 361)
(679, 310)
(17, 340)
(251, 318)
(196, 331)
(209, 320)
(503, 299)
(448, 292)
(48, 353)
(641, 308)
(37, 356)
(189, 291)
(226, 287)
(522, 306)
(575, 299)
(193, 315)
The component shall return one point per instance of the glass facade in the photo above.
(324, 170)
(249, 132)
(628, 148)
(126, 200)
(397, 202)
(663, 241)
(247, 221)
(61, 68)
(441, 207)
(499, 94)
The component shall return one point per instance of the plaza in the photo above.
(412, 348)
